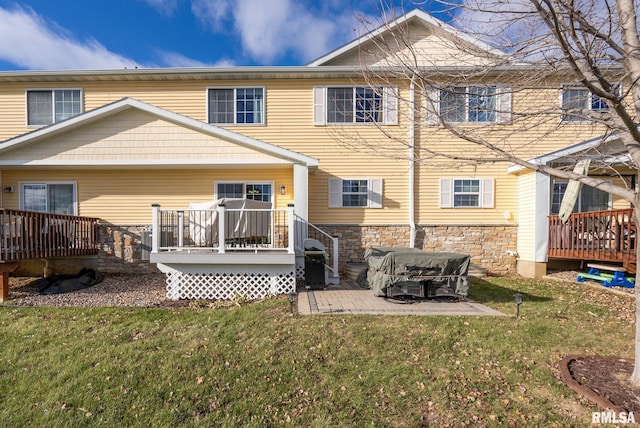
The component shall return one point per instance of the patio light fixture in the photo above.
(292, 299)
(283, 189)
(518, 299)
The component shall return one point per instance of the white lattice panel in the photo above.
(228, 285)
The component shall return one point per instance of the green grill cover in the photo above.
(387, 266)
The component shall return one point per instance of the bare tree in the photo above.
(529, 46)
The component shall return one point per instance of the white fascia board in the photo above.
(144, 162)
(423, 18)
(126, 103)
(567, 151)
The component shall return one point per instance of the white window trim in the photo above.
(374, 197)
(53, 111)
(21, 185)
(486, 192)
(244, 183)
(574, 86)
(503, 107)
(235, 88)
(389, 106)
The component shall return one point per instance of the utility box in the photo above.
(314, 261)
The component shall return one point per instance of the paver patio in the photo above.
(347, 298)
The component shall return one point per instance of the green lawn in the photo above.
(254, 365)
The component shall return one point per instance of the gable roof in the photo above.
(100, 113)
(415, 16)
(570, 153)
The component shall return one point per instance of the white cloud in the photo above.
(30, 42)
(270, 30)
(175, 59)
(166, 7)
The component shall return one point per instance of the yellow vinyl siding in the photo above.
(429, 47)
(134, 135)
(428, 199)
(125, 196)
(526, 188)
(289, 124)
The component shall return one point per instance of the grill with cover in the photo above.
(394, 272)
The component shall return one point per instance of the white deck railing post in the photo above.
(335, 256)
(155, 227)
(291, 222)
(180, 230)
(222, 209)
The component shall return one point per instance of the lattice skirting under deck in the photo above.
(229, 284)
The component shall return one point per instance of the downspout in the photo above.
(412, 111)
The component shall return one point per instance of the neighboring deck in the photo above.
(607, 236)
(28, 235)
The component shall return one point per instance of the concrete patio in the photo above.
(348, 298)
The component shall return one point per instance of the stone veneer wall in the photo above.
(486, 244)
(121, 245)
(121, 249)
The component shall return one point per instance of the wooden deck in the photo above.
(607, 236)
(28, 235)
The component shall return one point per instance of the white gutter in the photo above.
(412, 219)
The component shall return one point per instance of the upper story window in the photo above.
(355, 193)
(236, 105)
(47, 106)
(576, 101)
(355, 104)
(349, 105)
(466, 192)
(468, 104)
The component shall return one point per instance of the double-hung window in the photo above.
(53, 197)
(236, 106)
(355, 104)
(466, 193)
(355, 193)
(254, 191)
(468, 104)
(47, 106)
(577, 102)
(589, 199)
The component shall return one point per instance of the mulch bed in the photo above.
(603, 380)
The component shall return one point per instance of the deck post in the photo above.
(155, 228)
(222, 209)
(5, 269)
(334, 240)
(180, 230)
(291, 224)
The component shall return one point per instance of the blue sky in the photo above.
(108, 34)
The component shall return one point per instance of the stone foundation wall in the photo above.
(121, 246)
(486, 244)
(121, 249)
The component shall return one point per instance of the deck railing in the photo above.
(598, 235)
(306, 230)
(222, 230)
(27, 235)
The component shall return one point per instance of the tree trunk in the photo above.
(635, 376)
